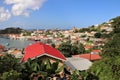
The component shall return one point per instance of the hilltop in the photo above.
(103, 27)
(11, 30)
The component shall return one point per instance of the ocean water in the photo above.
(18, 44)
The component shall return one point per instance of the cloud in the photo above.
(24, 7)
(4, 14)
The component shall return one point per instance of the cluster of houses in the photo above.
(44, 51)
(59, 36)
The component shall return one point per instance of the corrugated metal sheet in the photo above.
(78, 63)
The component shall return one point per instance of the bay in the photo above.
(18, 44)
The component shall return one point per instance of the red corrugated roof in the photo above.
(39, 49)
(91, 56)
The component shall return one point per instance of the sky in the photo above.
(52, 14)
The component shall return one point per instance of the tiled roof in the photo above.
(96, 51)
(91, 56)
(88, 46)
(39, 49)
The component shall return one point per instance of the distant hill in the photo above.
(11, 30)
(105, 26)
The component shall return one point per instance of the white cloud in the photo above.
(23, 7)
(4, 14)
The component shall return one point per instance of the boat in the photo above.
(7, 44)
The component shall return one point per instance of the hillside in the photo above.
(11, 30)
(109, 67)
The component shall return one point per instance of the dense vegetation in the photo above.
(69, 49)
(12, 69)
(109, 67)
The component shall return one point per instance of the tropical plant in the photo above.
(11, 75)
(75, 75)
(107, 68)
(9, 62)
(10, 68)
(112, 47)
(40, 69)
(65, 48)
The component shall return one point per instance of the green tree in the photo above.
(9, 62)
(10, 68)
(81, 48)
(69, 49)
(115, 22)
(11, 75)
(75, 75)
(53, 45)
(84, 30)
(112, 47)
(107, 69)
(97, 35)
(74, 49)
(65, 48)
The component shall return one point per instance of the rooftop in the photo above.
(39, 49)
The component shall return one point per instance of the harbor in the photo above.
(18, 44)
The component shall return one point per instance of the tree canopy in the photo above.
(69, 49)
